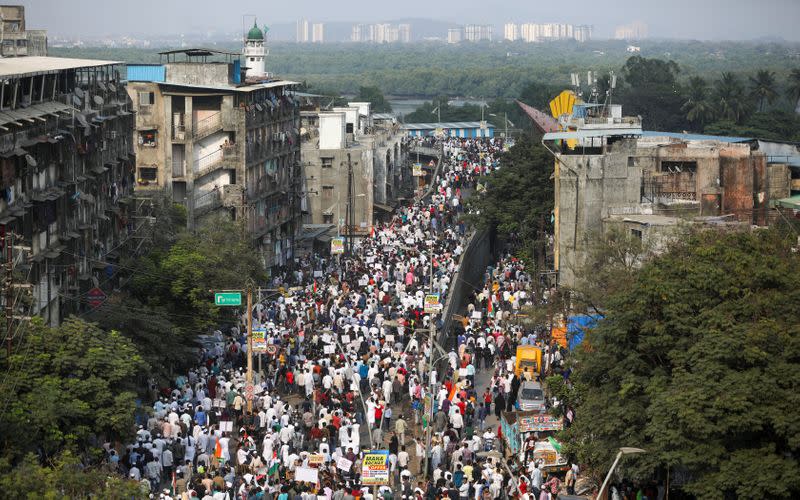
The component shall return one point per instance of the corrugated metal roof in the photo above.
(19, 66)
(589, 133)
(443, 125)
(33, 112)
(790, 202)
(232, 88)
(147, 73)
(695, 137)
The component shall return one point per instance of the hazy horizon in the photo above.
(683, 19)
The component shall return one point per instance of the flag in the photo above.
(218, 449)
(315, 286)
(273, 464)
(372, 232)
(489, 308)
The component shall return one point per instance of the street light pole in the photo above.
(622, 451)
(249, 387)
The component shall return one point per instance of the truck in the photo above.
(529, 357)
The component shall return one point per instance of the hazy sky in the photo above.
(697, 19)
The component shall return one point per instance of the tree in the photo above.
(698, 107)
(793, 91)
(698, 362)
(66, 385)
(518, 199)
(730, 98)
(652, 91)
(762, 89)
(374, 96)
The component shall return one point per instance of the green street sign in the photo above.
(228, 299)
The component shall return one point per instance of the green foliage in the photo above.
(374, 96)
(730, 98)
(428, 113)
(66, 477)
(697, 104)
(762, 88)
(698, 362)
(67, 385)
(519, 196)
(651, 90)
(775, 125)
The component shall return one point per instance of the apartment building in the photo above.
(220, 142)
(17, 39)
(478, 32)
(352, 139)
(68, 176)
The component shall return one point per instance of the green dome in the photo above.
(255, 33)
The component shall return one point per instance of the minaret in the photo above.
(255, 53)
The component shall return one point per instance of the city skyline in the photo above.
(741, 21)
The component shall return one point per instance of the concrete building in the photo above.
(359, 33)
(404, 33)
(511, 32)
(302, 31)
(16, 39)
(455, 35)
(534, 32)
(583, 33)
(67, 172)
(634, 31)
(219, 143)
(610, 173)
(478, 32)
(372, 145)
(318, 33)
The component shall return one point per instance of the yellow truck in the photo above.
(529, 358)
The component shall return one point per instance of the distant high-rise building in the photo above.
(511, 32)
(404, 32)
(583, 33)
(633, 31)
(302, 31)
(455, 35)
(318, 33)
(360, 33)
(529, 32)
(478, 32)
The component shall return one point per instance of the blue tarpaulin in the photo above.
(576, 328)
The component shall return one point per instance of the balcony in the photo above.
(208, 163)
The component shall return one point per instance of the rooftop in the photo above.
(645, 219)
(34, 65)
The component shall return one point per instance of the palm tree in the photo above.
(762, 88)
(730, 98)
(794, 89)
(698, 107)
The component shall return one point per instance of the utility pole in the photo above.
(9, 285)
(350, 213)
(249, 387)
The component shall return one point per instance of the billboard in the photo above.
(375, 468)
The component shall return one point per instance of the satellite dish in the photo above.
(76, 101)
(102, 86)
(31, 160)
(78, 91)
(259, 107)
(98, 100)
(111, 87)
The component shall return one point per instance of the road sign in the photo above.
(95, 298)
(249, 391)
(228, 299)
(416, 170)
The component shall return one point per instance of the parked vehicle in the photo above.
(531, 397)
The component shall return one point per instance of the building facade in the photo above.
(67, 171)
(17, 39)
(511, 32)
(455, 35)
(609, 174)
(478, 32)
(302, 33)
(352, 139)
(220, 143)
(318, 33)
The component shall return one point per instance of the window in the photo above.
(631, 161)
(636, 233)
(349, 128)
(146, 98)
(327, 162)
(679, 167)
(148, 175)
(327, 218)
(252, 59)
(147, 138)
(327, 192)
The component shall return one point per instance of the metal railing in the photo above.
(208, 199)
(208, 160)
(207, 125)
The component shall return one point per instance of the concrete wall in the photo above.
(332, 130)
(204, 73)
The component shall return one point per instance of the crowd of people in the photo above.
(348, 365)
